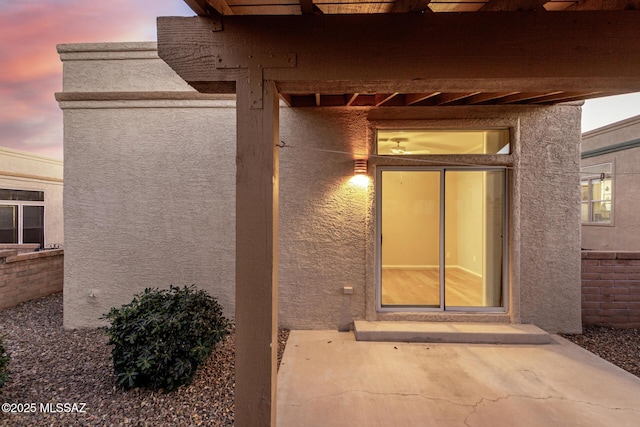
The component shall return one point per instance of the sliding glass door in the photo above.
(441, 234)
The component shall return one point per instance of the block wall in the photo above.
(611, 289)
(24, 277)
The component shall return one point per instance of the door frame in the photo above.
(378, 241)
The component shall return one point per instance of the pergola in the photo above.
(380, 53)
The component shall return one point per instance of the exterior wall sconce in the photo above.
(360, 167)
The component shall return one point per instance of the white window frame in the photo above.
(21, 204)
(589, 178)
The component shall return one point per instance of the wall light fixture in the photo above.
(360, 167)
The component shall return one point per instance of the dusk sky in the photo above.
(30, 68)
(31, 71)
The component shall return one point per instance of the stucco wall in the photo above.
(623, 234)
(149, 185)
(149, 199)
(322, 216)
(546, 186)
(26, 171)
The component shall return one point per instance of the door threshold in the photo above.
(444, 316)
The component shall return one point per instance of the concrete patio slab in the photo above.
(328, 378)
(450, 332)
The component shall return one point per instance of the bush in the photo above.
(4, 364)
(162, 336)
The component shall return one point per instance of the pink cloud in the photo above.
(31, 71)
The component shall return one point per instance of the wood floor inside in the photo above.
(421, 287)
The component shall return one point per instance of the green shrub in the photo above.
(4, 364)
(161, 337)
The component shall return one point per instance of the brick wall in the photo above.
(22, 248)
(611, 289)
(29, 275)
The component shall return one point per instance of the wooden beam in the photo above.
(200, 7)
(403, 6)
(256, 256)
(472, 52)
(209, 7)
(606, 5)
(287, 99)
(318, 100)
(307, 7)
(513, 5)
(221, 6)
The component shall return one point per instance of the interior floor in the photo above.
(421, 287)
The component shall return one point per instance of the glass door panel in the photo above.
(474, 211)
(410, 238)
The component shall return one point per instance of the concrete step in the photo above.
(449, 332)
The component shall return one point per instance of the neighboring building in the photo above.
(610, 182)
(30, 199)
(476, 224)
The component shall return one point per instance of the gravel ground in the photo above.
(53, 365)
(619, 346)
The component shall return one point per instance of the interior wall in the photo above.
(464, 209)
(411, 219)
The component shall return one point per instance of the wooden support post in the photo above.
(256, 256)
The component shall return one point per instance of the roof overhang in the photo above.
(412, 59)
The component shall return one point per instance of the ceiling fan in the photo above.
(398, 149)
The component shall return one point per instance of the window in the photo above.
(434, 142)
(596, 188)
(21, 216)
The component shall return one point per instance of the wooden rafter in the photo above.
(221, 6)
(382, 98)
(310, 7)
(402, 6)
(487, 96)
(606, 5)
(564, 97)
(524, 96)
(414, 98)
(512, 5)
(351, 98)
(307, 7)
(287, 99)
(449, 98)
(200, 7)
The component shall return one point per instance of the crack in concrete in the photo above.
(483, 400)
(473, 407)
(328, 396)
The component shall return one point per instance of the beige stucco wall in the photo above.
(150, 184)
(26, 171)
(623, 234)
(149, 199)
